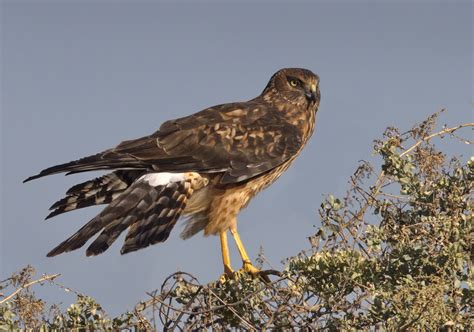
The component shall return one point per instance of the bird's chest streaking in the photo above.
(226, 205)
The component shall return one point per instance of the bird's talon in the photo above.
(223, 278)
(255, 272)
(227, 275)
(250, 269)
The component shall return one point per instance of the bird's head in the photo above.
(296, 85)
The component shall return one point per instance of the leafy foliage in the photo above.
(24, 311)
(394, 253)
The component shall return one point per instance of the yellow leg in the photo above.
(228, 272)
(248, 267)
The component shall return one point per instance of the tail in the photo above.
(101, 190)
(148, 208)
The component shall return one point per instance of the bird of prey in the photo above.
(205, 167)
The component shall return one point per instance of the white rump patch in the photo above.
(160, 179)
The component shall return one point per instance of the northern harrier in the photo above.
(206, 167)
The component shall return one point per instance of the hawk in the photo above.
(205, 167)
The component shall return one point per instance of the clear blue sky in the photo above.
(80, 76)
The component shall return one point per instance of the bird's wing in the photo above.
(241, 140)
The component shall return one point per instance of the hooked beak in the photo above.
(311, 95)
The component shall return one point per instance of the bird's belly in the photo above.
(225, 207)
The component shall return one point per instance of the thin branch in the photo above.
(440, 133)
(40, 280)
(242, 319)
(186, 307)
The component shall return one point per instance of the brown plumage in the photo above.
(206, 166)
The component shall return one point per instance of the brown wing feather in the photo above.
(242, 140)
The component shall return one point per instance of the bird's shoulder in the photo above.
(255, 112)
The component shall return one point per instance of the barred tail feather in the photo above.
(149, 208)
(101, 190)
(117, 208)
(156, 226)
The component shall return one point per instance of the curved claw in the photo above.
(227, 275)
(249, 268)
(255, 272)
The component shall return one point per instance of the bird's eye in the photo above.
(294, 83)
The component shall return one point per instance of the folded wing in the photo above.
(240, 140)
